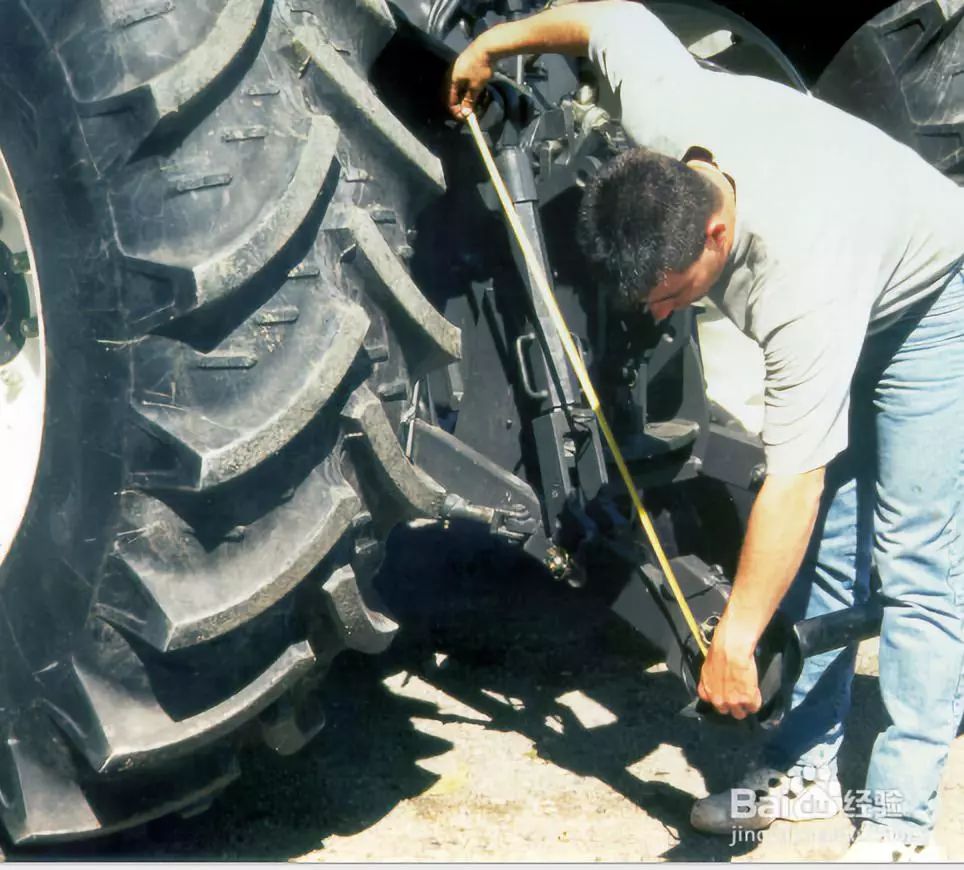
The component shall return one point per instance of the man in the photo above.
(839, 251)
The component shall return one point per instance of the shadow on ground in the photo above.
(508, 631)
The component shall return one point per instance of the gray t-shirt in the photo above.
(839, 227)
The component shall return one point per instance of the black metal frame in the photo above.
(515, 438)
(650, 378)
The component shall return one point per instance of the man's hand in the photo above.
(467, 77)
(729, 679)
(564, 29)
(779, 530)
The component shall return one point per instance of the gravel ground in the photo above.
(510, 722)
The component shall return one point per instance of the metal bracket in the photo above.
(479, 489)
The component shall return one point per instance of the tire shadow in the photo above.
(353, 773)
(507, 631)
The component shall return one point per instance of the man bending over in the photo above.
(839, 251)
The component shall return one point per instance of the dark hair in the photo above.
(644, 215)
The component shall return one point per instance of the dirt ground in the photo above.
(512, 721)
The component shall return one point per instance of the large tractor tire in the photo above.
(902, 72)
(216, 211)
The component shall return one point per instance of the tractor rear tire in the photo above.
(220, 211)
(902, 72)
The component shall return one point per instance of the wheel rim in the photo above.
(717, 35)
(22, 363)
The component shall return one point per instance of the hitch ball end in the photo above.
(559, 562)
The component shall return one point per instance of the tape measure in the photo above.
(538, 276)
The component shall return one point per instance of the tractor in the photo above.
(258, 306)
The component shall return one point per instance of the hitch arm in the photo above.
(561, 389)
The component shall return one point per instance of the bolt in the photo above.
(708, 626)
(382, 215)
(508, 424)
(596, 118)
(557, 566)
(557, 563)
(586, 93)
(361, 520)
(13, 381)
(29, 328)
(20, 263)
(757, 474)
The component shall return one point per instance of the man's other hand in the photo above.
(729, 680)
(466, 79)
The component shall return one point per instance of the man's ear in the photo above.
(716, 233)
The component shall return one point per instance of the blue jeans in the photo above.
(895, 499)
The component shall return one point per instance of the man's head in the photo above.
(660, 229)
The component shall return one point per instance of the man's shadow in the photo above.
(511, 632)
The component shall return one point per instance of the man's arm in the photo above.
(779, 531)
(560, 30)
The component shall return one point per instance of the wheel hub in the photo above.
(22, 364)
